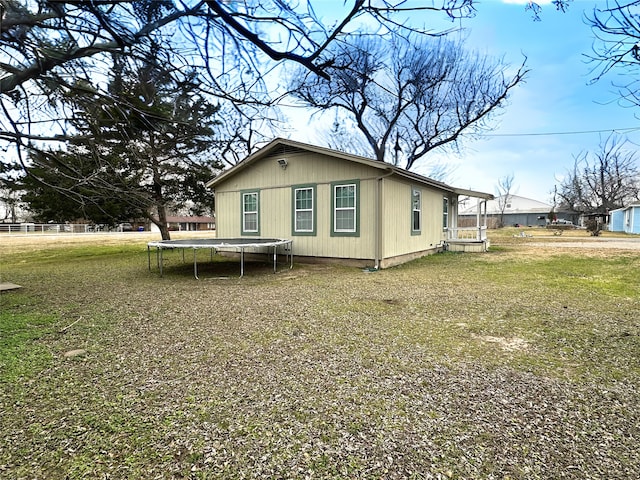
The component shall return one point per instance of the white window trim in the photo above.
(445, 213)
(337, 209)
(416, 193)
(245, 213)
(296, 210)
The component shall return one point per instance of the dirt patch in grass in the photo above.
(507, 344)
(510, 364)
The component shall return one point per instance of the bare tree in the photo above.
(341, 136)
(503, 194)
(51, 47)
(616, 48)
(536, 9)
(409, 95)
(602, 181)
(243, 127)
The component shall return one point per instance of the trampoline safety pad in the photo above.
(240, 245)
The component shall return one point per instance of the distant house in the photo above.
(517, 210)
(625, 219)
(340, 206)
(188, 223)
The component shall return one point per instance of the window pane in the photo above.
(416, 198)
(445, 213)
(346, 196)
(251, 222)
(304, 221)
(304, 199)
(250, 202)
(345, 220)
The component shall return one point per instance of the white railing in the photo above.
(477, 234)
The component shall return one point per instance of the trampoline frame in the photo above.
(220, 244)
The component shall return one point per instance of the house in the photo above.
(187, 223)
(336, 205)
(625, 219)
(511, 210)
(191, 223)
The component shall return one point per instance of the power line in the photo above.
(577, 132)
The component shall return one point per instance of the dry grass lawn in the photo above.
(521, 363)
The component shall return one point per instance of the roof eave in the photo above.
(474, 193)
(382, 166)
(267, 149)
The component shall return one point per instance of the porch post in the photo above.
(484, 223)
(454, 216)
(478, 213)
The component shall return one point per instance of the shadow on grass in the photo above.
(225, 268)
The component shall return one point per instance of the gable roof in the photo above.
(281, 145)
(631, 206)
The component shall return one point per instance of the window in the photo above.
(345, 208)
(250, 213)
(445, 213)
(416, 211)
(304, 210)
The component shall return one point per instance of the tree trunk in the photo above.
(162, 223)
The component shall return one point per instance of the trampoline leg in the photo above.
(275, 257)
(241, 262)
(291, 255)
(160, 260)
(195, 263)
(149, 256)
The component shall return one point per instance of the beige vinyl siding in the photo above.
(274, 184)
(433, 214)
(302, 168)
(228, 214)
(273, 220)
(397, 238)
(276, 218)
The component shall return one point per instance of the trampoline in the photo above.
(238, 245)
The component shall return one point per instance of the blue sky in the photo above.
(530, 140)
(557, 98)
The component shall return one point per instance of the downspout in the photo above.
(378, 223)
